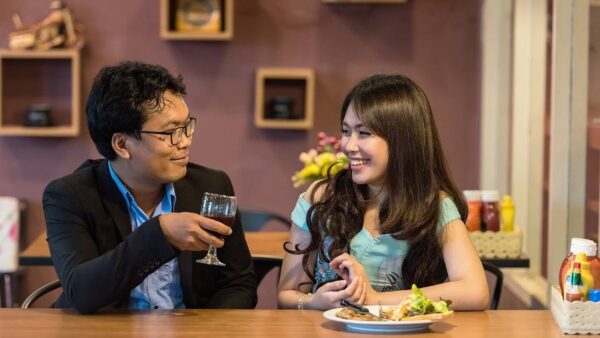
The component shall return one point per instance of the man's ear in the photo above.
(119, 143)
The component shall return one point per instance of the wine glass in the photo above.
(221, 208)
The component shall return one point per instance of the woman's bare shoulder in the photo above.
(315, 191)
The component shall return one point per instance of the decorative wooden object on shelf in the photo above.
(366, 1)
(30, 77)
(218, 25)
(277, 88)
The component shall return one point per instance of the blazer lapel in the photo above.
(113, 200)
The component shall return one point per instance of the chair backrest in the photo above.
(254, 220)
(263, 264)
(44, 289)
(495, 273)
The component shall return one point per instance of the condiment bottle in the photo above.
(573, 291)
(590, 248)
(587, 281)
(474, 203)
(490, 210)
(507, 213)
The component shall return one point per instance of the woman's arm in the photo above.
(294, 283)
(467, 284)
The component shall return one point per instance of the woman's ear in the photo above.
(119, 145)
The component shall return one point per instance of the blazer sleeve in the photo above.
(236, 282)
(91, 280)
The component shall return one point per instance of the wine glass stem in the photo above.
(212, 251)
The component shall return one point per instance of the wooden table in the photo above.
(16, 323)
(262, 245)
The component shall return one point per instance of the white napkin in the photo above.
(9, 234)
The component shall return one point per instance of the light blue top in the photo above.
(162, 288)
(381, 256)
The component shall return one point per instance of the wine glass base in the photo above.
(210, 260)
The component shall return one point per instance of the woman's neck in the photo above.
(377, 193)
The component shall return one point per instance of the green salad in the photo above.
(419, 304)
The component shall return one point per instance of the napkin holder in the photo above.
(574, 317)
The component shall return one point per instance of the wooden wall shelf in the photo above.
(294, 87)
(365, 1)
(51, 77)
(170, 31)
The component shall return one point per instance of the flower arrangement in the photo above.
(318, 161)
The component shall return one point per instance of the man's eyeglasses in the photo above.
(177, 133)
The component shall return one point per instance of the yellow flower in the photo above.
(318, 161)
(311, 170)
(325, 159)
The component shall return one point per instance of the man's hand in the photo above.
(190, 231)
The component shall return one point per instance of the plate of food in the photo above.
(414, 314)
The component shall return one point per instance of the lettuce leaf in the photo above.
(419, 304)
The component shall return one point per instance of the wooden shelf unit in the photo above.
(296, 83)
(365, 1)
(169, 32)
(17, 95)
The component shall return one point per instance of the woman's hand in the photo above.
(350, 269)
(329, 295)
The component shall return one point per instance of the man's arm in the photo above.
(236, 283)
(92, 280)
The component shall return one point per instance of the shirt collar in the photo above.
(169, 191)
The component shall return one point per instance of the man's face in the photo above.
(153, 158)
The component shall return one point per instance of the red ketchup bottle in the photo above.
(490, 210)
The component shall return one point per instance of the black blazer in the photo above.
(99, 260)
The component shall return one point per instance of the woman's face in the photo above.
(367, 152)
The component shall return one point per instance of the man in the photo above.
(124, 232)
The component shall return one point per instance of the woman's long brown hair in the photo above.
(396, 109)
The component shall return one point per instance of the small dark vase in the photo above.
(280, 108)
(38, 116)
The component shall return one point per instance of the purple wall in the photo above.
(434, 42)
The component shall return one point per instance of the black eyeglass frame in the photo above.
(182, 130)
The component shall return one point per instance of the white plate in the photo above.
(379, 327)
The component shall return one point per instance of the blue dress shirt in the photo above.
(162, 288)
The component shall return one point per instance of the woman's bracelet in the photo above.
(302, 300)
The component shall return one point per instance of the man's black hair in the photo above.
(122, 97)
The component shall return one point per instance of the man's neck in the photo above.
(147, 196)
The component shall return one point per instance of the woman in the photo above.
(392, 219)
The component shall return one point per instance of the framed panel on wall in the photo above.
(40, 93)
(284, 98)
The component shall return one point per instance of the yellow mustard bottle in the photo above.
(507, 213)
(586, 274)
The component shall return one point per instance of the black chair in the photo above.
(496, 274)
(35, 295)
(254, 220)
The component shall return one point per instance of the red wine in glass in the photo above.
(221, 208)
(227, 220)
